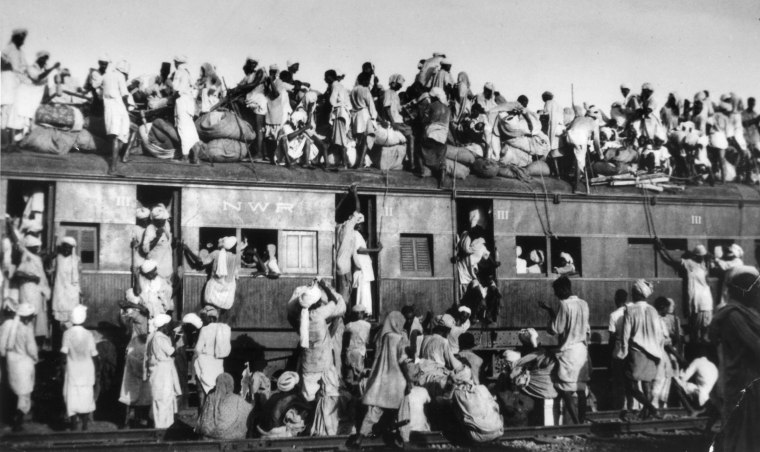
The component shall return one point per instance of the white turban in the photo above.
(130, 296)
(528, 336)
(210, 311)
(537, 256)
(78, 314)
(123, 67)
(567, 257)
(307, 299)
(193, 320)
(161, 320)
(26, 309)
(512, 356)
(359, 308)
(159, 213)
(736, 250)
(290, 63)
(448, 321)
(625, 86)
(32, 240)
(287, 381)
(700, 250)
(358, 217)
(518, 251)
(229, 242)
(142, 213)
(643, 287)
(148, 266)
(438, 93)
(465, 309)
(69, 241)
(180, 58)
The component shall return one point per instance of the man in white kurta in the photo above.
(363, 272)
(66, 290)
(78, 387)
(34, 287)
(212, 347)
(115, 113)
(142, 220)
(184, 108)
(19, 349)
(135, 392)
(157, 242)
(162, 374)
(30, 93)
(13, 67)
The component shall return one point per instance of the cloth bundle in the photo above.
(224, 124)
(47, 140)
(224, 150)
(388, 158)
(60, 116)
(159, 139)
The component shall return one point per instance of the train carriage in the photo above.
(609, 232)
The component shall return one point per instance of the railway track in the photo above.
(148, 440)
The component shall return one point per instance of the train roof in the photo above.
(148, 170)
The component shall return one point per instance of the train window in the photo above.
(676, 248)
(530, 255)
(561, 248)
(27, 202)
(417, 254)
(208, 238)
(86, 236)
(641, 258)
(299, 254)
(262, 243)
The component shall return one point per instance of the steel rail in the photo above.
(145, 440)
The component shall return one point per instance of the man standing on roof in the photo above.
(115, 115)
(13, 70)
(630, 101)
(443, 78)
(256, 100)
(571, 326)
(184, 110)
(30, 93)
(487, 98)
(392, 113)
(340, 118)
(94, 84)
(581, 131)
(699, 301)
(552, 124)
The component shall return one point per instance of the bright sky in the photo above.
(523, 46)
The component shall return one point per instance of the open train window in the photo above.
(208, 238)
(417, 254)
(299, 254)
(86, 236)
(150, 195)
(261, 243)
(561, 247)
(32, 203)
(530, 255)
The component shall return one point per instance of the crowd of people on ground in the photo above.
(437, 125)
(413, 372)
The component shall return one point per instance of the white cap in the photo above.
(161, 320)
(78, 314)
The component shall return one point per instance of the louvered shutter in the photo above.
(416, 255)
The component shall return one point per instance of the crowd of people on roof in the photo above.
(411, 371)
(437, 125)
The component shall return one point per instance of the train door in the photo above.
(32, 203)
(149, 196)
(345, 205)
(475, 216)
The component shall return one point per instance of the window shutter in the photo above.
(407, 254)
(422, 249)
(416, 254)
(86, 236)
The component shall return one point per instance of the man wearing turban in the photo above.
(78, 345)
(161, 373)
(66, 289)
(224, 264)
(212, 347)
(157, 242)
(640, 344)
(33, 286)
(19, 350)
